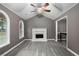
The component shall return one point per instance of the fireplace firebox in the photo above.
(39, 36)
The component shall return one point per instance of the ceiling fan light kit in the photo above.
(40, 10)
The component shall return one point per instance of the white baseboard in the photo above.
(59, 39)
(62, 39)
(72, 52)
(12, 48)
(29, 39)
(35, 40)
(56, 40)
(39, 40)
(50, 39)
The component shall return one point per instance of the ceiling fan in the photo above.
(42, 8)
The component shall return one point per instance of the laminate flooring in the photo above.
(49, 48)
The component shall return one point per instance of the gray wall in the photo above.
(62, 25)
(14, 27)
(40, 21)
(73, 28)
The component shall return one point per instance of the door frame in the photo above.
(66, 29)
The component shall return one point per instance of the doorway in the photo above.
(62, 31)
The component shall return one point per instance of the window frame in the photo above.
(8, 28)
(22, 24)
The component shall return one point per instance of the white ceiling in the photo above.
(24, 9)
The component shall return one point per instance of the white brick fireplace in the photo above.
(39, 34)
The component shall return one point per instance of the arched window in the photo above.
(21, 29)
(4, 29)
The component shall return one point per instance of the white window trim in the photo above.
(22, 35)
(8, 28)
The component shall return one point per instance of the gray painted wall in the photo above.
(73, 28)
(62, 25)
(14, 29)
(40, 21)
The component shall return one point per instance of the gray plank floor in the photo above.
(49, 48)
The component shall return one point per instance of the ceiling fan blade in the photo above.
(46, 4)
(32, 5)
(47, 10)
(33, 11)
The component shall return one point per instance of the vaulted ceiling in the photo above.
(24, 9)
